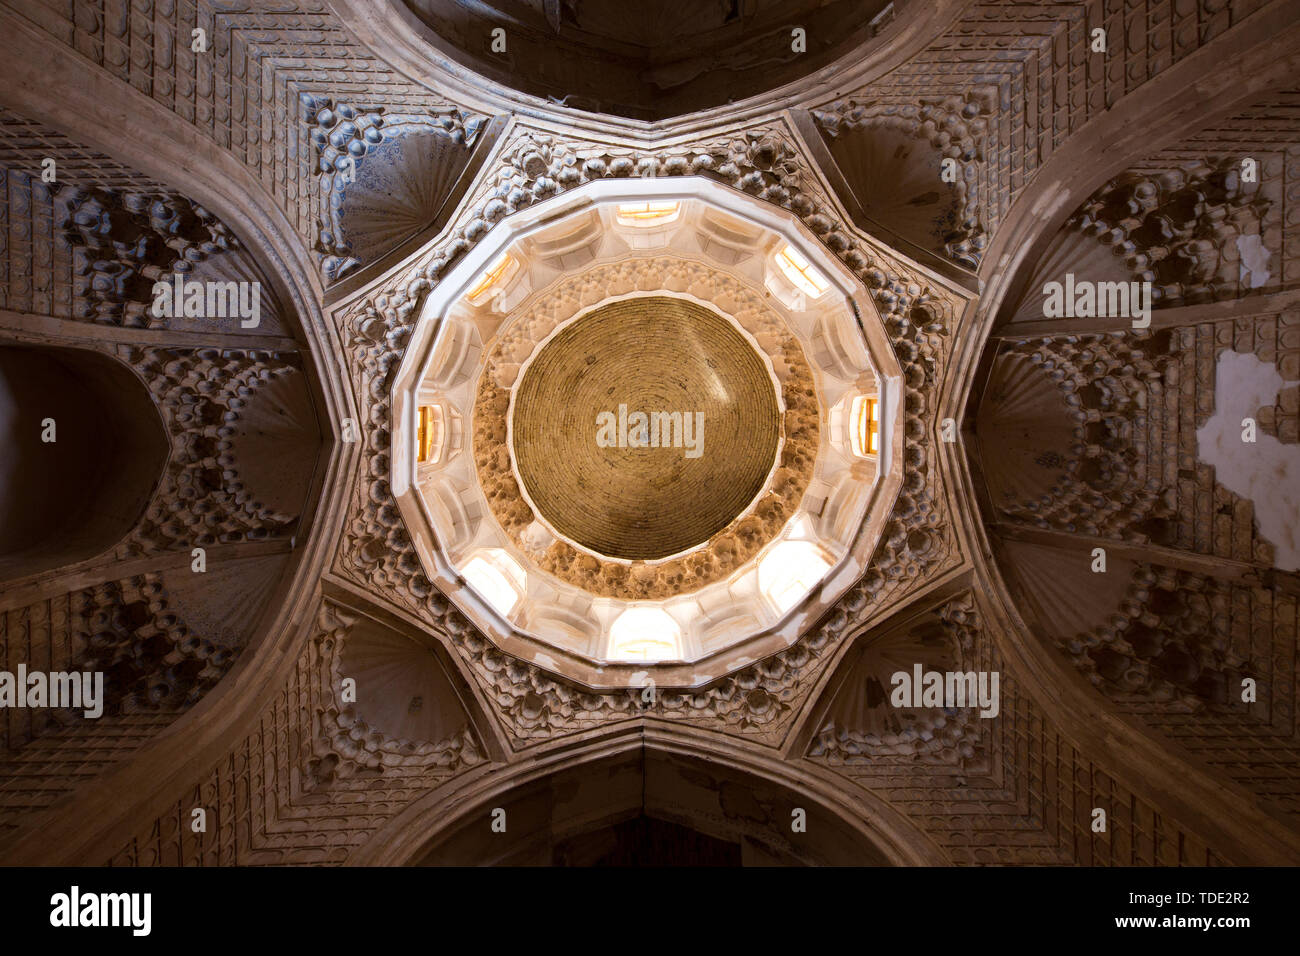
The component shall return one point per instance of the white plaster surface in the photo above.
(1266, 472)
(1254, 261)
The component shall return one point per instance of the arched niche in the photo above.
(405, 689)
(400, 188)
(651, 61)
(1026, 434)
(67, 500)
(672, 807)
(894, 171)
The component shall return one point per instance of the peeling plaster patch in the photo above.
(536, 538)
(1254, 261)
(1266, 472)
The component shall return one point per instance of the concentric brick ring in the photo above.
(552, 552)
(576, 427)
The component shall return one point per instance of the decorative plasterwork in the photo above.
(341, 775)
(1195, 232)
(906, 192)
(1031, 61)
(378, 186)
(725, 252)
(985, 789)
(732, 547)
(202, 394)
(163, 643)
(344, 744)
(93, 253)
(125, 242)
(921, 315)
(1090, 392)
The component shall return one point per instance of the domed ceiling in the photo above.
(650, 61)
(667, 412)
(601, 491)
(630, 413)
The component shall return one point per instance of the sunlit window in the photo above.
(428, 434)
(497, 578)
(496, 273)
(801, 272)
(644, 634)
(789, 571)
(647, 213)
(865, 417)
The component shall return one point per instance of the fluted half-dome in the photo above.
(576, 426)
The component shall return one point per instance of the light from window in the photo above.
(644, 634)
(791, 570)
(428, 434)
(647, 214)
(497, 578)
(801, 272)
(494, 274)
(865, 417)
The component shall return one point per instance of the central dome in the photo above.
(606, 427)
(653, 60)
(550, 458)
